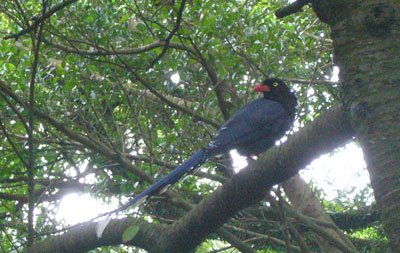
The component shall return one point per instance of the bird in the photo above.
(252, 130)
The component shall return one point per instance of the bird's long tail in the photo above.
(196, 160)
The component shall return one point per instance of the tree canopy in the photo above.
(105, 97)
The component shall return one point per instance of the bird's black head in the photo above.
(272, 87)
(277, 90)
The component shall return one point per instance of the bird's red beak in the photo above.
(261, 88)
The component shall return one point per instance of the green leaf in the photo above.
(130, 233)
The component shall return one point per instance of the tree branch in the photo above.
(248, 186)
(214, 80)
(291, 8)
(122, 51)
(171, 34)
(170, 103)
(356, 219)
(36, 43)
(40, 19)
(83, 238)
(307, 204)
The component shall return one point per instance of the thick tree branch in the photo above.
(247, 187)
(291, 8)
(83, 238)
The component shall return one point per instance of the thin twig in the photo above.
(40, 19)
(122, 51)
(171, 34)
(13, 146)
(321, 232)
(214, 79)
(145, 83)
(267, 237)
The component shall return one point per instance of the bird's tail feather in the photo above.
(196, 160)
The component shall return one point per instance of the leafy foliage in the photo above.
(105, 98)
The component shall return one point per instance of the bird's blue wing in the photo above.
(252, 129)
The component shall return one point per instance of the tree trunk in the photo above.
(366, 39)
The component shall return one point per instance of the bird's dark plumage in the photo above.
(251, 130)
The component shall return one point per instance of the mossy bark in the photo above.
(366, 38)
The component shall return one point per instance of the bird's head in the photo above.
(272, 86)
(277, 90)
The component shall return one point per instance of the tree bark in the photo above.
(82, 238)
(366, 40)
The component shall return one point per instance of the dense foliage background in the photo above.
(99, 80)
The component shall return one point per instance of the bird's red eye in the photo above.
(261, 88)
